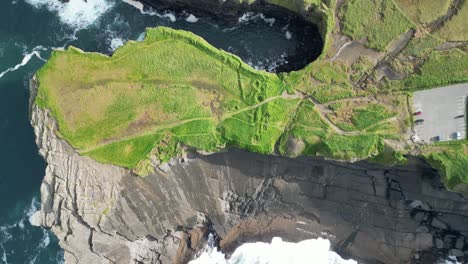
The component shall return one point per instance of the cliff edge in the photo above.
(105, 214)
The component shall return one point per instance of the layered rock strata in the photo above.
(375, 214)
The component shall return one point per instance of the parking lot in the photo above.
(443, 110)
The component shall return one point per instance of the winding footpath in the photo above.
(321, 109)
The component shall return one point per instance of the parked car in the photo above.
(418, 113)
(419, 122)
(457, 135)
(436, 139)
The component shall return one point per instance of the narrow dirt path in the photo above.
(354, 99)
(285, 95)
(321, 108)
(153, 131)
(156, 129)
(231, 114)
(390, 119)
(453, 10)
(323, 111)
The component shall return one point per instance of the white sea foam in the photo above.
(33, 207)
(269, 65)
(245, 17)
(138, 5)
(150, 12)
(269, 21)
(229, 29)
(27, 57)
(115, 43)
(33, 213)
(7, 231)
(75, 13)
(170, 15)
(4, 237)
(45, 240)
(450, 260)
(42, 245)
(141, 37)
(21, 224)
(277, 252)
(250, 16)
(191, 19)
(4, 256)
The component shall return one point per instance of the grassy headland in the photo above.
(145, 101)
(148, 100)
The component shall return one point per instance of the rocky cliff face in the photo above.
(105, 214)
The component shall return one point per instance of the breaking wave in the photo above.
(268, 64)
(21, 231)
(276, 252)
(250, 16)
(117, 33)
(150, 12)
(191, 18)
(76, 14)
(449, 260)
(116, 43)
(26, 58)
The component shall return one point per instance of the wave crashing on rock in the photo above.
(276, 252)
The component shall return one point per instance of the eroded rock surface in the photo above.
(105, 214)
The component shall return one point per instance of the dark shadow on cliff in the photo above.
(372, 204)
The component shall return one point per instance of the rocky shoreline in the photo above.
(374, 214)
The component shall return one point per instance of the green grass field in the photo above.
(324, 80)
(317, 138)
(440, 68)
(424, 11)
(423, 46)
(455, 28)
(378, 21)
(359, 117)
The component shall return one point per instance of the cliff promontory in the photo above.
(169, 139)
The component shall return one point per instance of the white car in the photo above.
(458, 135)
